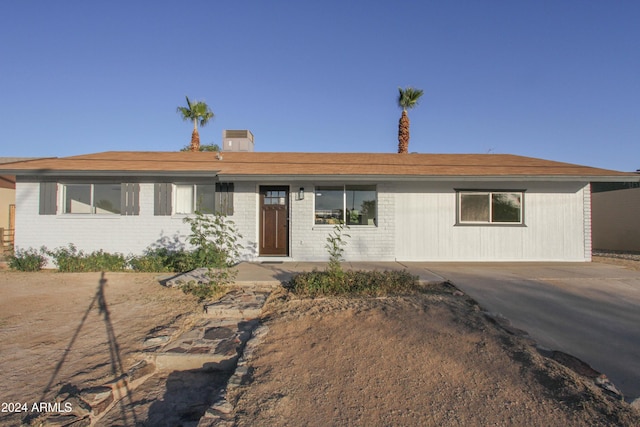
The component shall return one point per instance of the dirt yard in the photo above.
(426, 359)
(430, 359)
(53, 333)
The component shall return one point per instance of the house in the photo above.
(405, 207)
(616, 218)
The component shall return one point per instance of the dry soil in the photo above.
(431, 358)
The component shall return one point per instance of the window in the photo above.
(92, 198)
(194, 197)
(188, 198)
(275, 197)
(490, 207)
(351, 204)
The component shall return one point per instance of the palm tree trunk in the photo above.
(195, 137)
(195, 141)
(403, 133)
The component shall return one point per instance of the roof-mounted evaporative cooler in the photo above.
(237, 140)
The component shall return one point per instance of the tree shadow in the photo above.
(121, 394)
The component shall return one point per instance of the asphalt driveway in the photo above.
(591, 311)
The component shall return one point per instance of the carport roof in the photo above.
(264, 164)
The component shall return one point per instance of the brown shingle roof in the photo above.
(311, 164)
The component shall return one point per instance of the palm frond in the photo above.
(196, 111)
(408, 98)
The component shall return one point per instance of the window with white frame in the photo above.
(92, 199)
(194, 197)
(490, 207)
(349, 204)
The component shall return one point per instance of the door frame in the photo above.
(263, 188)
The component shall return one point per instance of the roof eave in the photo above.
(111, 173)
(414, 178)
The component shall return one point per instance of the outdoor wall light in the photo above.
(301, 193)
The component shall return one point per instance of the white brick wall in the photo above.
(112, 233)
(415, 221)
(245, 217)
(366, 242)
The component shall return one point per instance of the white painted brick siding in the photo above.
(245, 217)
(415, 222)
(308, 240)
(111, 233)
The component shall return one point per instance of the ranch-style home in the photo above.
(404, 207)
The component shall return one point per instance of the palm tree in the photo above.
(407, 99)
(203, 147)
(197, 112)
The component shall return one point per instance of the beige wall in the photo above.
(7, 197)
(616, 220)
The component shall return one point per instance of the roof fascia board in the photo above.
(413, 178)
(335, 178)
(54, 173)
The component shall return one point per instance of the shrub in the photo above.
(70, 259)
(336, 241)
(160, 260)
(28, 260)
(203, 291)
(353, 283)
(152, 261)
(215, 239)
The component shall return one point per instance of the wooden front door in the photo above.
(274, 220)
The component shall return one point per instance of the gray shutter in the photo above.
(224, 198)
(162, 199)
(48, 198)
(130, 199)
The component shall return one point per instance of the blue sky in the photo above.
(553, 79)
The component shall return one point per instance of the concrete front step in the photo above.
(244, 303)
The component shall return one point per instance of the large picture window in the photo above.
(92, 199)
(350, 204)
(490, 207)
(194, 197)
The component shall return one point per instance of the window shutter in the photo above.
(224, 198)
(130, 199)
(162, 199)
(48, 198)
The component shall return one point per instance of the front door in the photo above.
(274, 220)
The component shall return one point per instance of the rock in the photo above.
(222, 406)
(95, 394)
(78, 406)
(99, 398)
(156, 341)
(141, 369)
(219, 333)
(118, 382)
(603, 382)
(65, 421)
